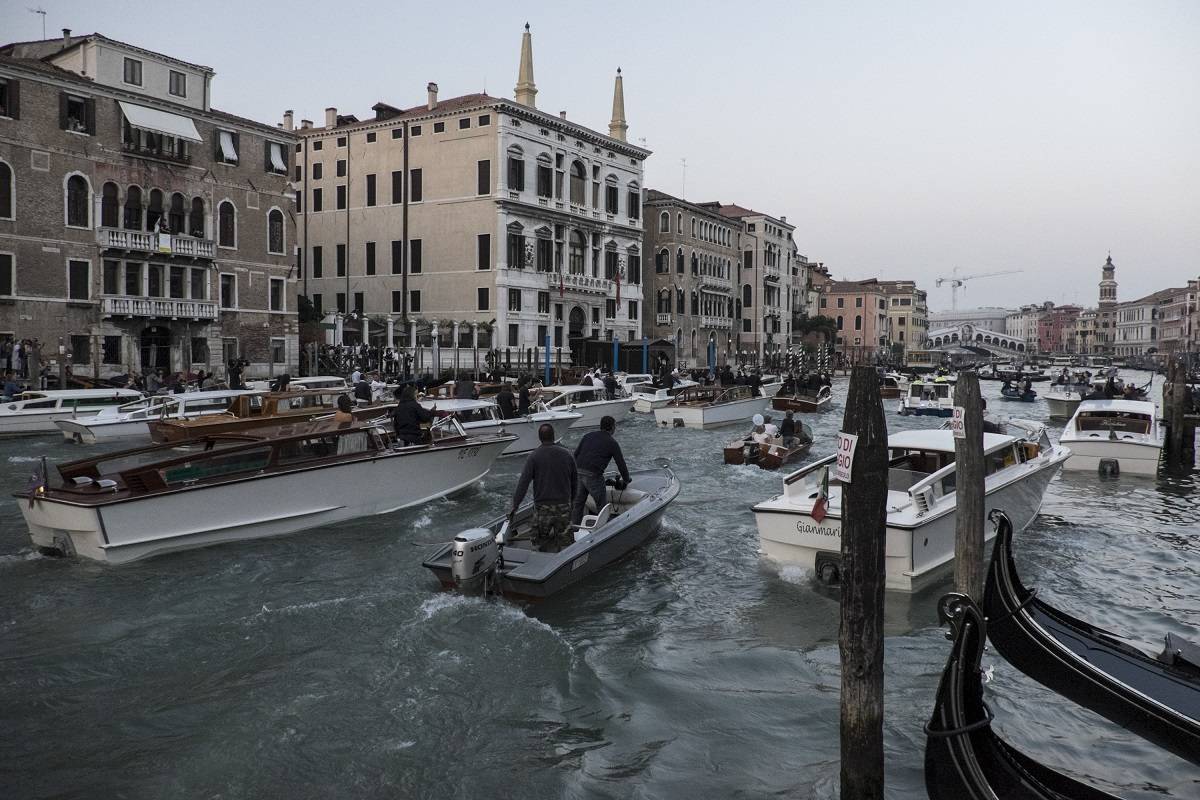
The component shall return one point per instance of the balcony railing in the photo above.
(716, 281)
(716, 322)
(157, 307)
(771, 273)
(662, 319)
(162, 243)
(585, 283)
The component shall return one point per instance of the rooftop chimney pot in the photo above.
(66, 37)
(288, 123)
(562, 114)
(305, 124)
(331, 117)
(432, 90)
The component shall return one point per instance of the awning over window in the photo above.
(228, 151)
(277, 157)
(161, 121)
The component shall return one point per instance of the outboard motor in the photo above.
(475, 557)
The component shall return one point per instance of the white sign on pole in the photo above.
(846, 443)
(958, 424)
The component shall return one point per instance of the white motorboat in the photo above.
(920, 505)
(35, 412)
(589, 402)
(132, 420)
(647, 397)
(770, 386)
(709, 407)
(131, 504)
(483, 416)
(1063, 399)
(1114, 436)
(627, 382)
(929, 398)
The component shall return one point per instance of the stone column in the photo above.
(337, 333)
(391, 332)
(454, 344)
(436, 348)
(366, 331)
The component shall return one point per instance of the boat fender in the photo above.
(1109, 468)
(828, 568)
(678, 422)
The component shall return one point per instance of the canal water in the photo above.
(329, 664)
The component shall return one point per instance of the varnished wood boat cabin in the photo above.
(251, 411)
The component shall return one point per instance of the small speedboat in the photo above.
(1114, 436)
(804, 401)
(483, 416)
(929, 398)
(1062, 400)
(709, 407)
(771, 454)
(132, 420)
(308, 382)
(588, 401)
(647, 396)
(498, 557)
(35, 412)
(964, 757)
(1016, 394)
(1157, 698)
(891, 386)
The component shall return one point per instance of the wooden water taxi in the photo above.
(709, 407)
(247, 412)
(804, 401)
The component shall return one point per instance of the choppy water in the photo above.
(328, 664)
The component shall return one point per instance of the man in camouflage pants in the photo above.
(551, 470)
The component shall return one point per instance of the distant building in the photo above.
(1139, 323)
(983, 319)
(1177, 334)
(1024, 324)
(908, 313)
(1056, 329)
(139, 226)
(860, 310)
(1085, 331)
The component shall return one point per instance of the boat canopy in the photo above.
(942, 441)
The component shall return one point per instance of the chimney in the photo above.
(431, 91)
(783, 220)
(331, 117)
(287, 120)
(66, 37)
(562, 115)
(305, 124)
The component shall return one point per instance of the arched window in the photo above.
(196, 219)
(679, 302)
(695, 303)
(664, 301)
(858, 325)
(679, 223)
(576, 251)
(275, 231)
(662, 262)
(747, 296)
(693, 227)
(679, 261)
(79, 202)
(155, 211)
(664, 222)
(695, 263)
(133, 208)
(226, 225)
(6, 192)
(110, 212)
(578, 183)
(177, 217)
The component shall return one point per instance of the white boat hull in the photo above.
(524, 428)
(85, 432)
(1063, 406)
(595, 410)
(709, 416)
(256, 508)
(37, 423)
(644, 404)
(915, 557)
(1133, 457)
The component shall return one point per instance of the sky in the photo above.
(903, 140)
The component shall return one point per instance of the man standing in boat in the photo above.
(551, 470)
(592, 455)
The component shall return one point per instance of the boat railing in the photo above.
(802, 482)
(941, 483)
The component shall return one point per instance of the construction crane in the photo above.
(955, 281)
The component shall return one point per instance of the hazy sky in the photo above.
(902, 139)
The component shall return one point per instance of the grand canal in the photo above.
(328, 664)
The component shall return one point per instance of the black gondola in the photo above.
(964, 758)
(1156, 698)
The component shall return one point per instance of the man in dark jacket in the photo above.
(551, 470)
(523, 398)
(464, 389)
(362, 390)
(592, 455)
(610, 387)
(408, 416)
(506, 401)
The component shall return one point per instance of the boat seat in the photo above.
(591, 522)
(105, 483)
(82, 481)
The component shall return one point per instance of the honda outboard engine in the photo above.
(475, 556)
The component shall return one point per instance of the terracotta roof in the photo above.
(389, 113)
(849, 287)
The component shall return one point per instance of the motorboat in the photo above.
(1157, 698)
(771, 453)
(804, 401)
(1062, 400)
(132, 420)
(921, 502)
(483, 416)
(647, 396)
(589, 402)
(709, 407)
(1114, 436)
(932, 398)
(33, 413)
(770, 386)
(628, 381)
(1017, 394)
(256, 410)
(964, 757)
(891, 386)
(307, 382)
(131, 504)
(499, 558)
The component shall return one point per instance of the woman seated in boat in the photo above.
(343, 415)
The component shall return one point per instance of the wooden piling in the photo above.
(969, 489)
(860, 635)
(1181, 432)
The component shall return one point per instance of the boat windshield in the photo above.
(1119, 421)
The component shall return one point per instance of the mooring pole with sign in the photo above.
(967, 424)
(863, 460)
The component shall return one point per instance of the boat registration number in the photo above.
(579, 562)
(468, 452)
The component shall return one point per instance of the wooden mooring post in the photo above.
(860, 634)
(968, 488)
(1181, 425)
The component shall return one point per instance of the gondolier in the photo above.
(592, 455)
(551, 470)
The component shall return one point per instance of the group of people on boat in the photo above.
(808, 383)
(563, 481)
(786, 433)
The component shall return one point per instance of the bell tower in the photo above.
(1108, 284)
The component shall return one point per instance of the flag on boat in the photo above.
(822, 502)
(37, 482)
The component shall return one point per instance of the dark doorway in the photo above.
(156, 348)
(577, 321)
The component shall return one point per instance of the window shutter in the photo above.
(62, 110)
(237, 146)
(217, 146)
(14, 99)
(90, 105)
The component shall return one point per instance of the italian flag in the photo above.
(822, 503)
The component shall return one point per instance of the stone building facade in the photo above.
(907, 312)
(140, 227)
(517, 223)
(696, 256)
(860, 310)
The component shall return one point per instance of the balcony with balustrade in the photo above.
(771, 273)
(163, 244)
(715, 282)
(719, 323)
(157, 307)
(662, 319)
(583, 283)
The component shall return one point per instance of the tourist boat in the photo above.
(709, 406)
(132, 420)
(920, 502)
(771, 454)
(647, 397)
(1114, 436)
(498, 557)
(964, 757)
(1016, 394)
(804, 401)
(249, 411)
(584, 400)
(928, 398)
(1062, 400)
(35, 412)
(132, 504)
(891, 386)
(483, 416)
(1156, 698)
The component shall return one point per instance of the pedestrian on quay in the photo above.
(592, 455)
(551, 470)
